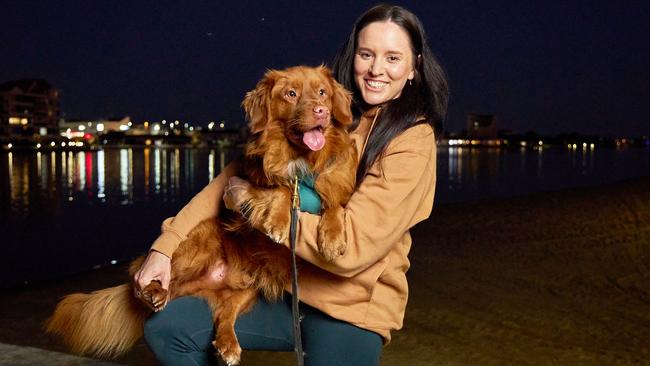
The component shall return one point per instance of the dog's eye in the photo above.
(322, 92)
(292, 93)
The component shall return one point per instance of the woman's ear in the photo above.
(257, 103)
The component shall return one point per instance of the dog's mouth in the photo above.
(314, 139)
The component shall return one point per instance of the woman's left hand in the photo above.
(235, 193)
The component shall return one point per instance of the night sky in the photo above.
(551, 67)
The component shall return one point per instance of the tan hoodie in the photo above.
(366, 286)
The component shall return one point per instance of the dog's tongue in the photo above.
(314, 139)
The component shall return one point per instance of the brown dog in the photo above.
(298, 119)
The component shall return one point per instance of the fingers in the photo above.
(156, 267)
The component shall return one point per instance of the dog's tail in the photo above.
(104, 324)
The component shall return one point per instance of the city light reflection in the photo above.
(147, 173)
(52, 180)
(10, 176)
(211, 165)
(126, 175)
(69, 159)
(81, 169)
(101, 175)
(156, 170)
(89, 172)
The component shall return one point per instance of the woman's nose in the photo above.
(376, 68)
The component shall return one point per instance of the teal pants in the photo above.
(182, 333)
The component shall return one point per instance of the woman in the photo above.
(350, 305)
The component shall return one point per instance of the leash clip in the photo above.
(294, 196)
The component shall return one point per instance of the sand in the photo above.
(557, 278)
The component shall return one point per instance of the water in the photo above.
(479, 174)
(64, 212)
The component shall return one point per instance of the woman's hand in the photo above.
(235, 193)
(156, 267)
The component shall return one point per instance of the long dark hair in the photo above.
(423, 101)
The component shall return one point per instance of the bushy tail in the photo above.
(104, 324)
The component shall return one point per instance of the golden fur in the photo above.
(280, 109)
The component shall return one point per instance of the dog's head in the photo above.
(304, 101)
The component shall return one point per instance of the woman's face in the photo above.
(383, 62)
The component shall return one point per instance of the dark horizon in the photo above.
(549, 68)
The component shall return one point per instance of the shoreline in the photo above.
(552, 278)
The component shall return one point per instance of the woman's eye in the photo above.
(292, 93)
(364, 55)
(393, 59)
(322, 92)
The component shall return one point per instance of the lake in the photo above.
(68, 211)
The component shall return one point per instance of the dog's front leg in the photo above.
(269, 210)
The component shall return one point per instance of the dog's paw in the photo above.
(331, 236)
(155, 296)
(277, 227)
(331, 248)
(228, 350)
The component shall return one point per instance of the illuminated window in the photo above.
(14, 120)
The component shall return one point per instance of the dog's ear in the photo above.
(257, 103)
(341, 99)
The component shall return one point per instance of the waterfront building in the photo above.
(95, 127)
(28, 107)
(481, 126)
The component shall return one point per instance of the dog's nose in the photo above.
(321, 111)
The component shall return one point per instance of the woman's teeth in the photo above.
(376, 84)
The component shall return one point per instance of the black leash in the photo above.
(297, 337)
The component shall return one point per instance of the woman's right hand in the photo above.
(156, 267)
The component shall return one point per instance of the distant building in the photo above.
(28, 107)
(95, 127)
(481, 126)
